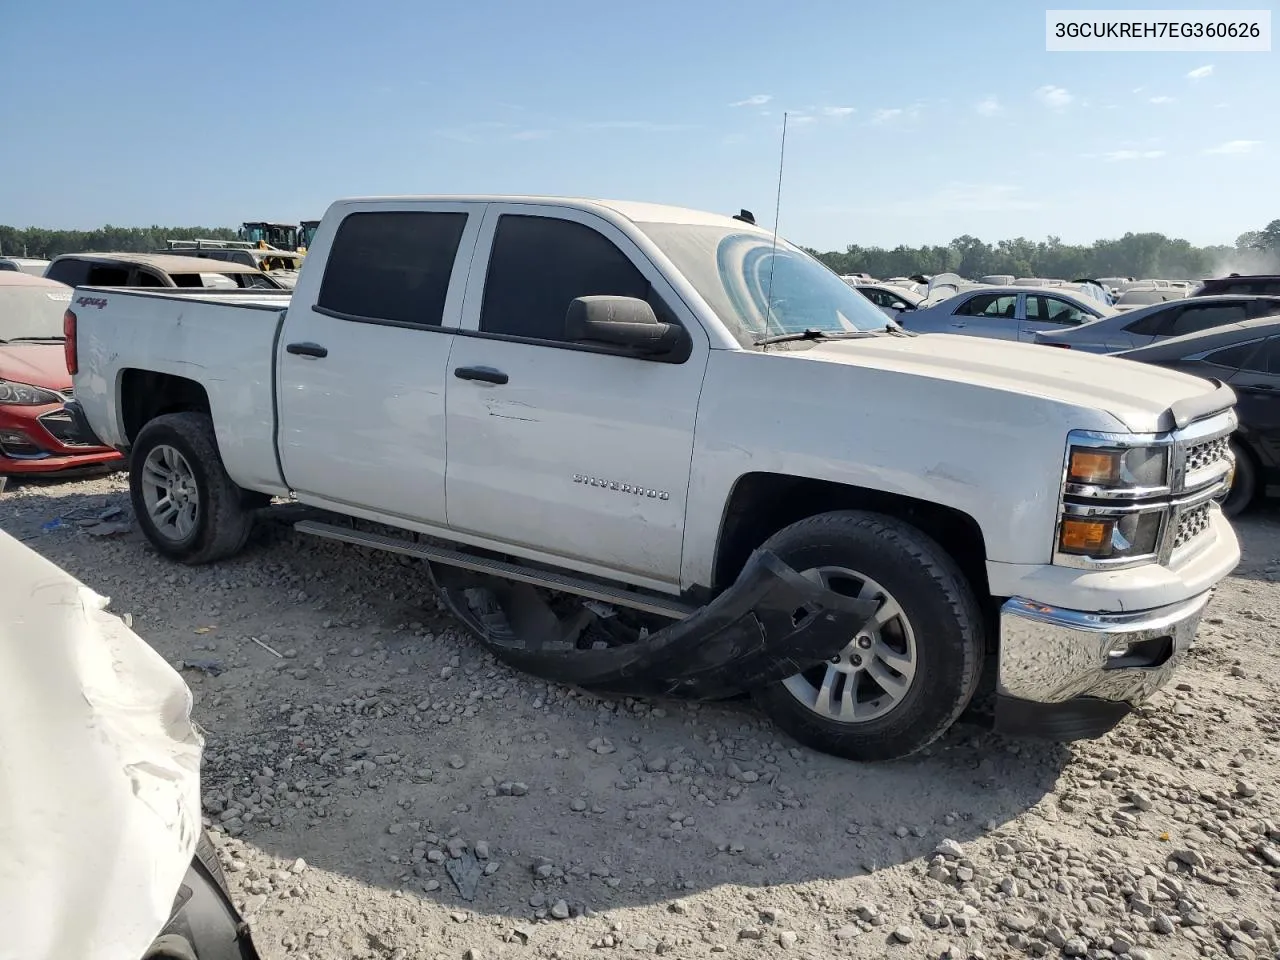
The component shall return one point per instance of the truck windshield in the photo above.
(758, 291)
(32, 313)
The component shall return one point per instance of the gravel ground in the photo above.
(379, 787)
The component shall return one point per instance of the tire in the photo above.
(214, 522)
(937, 631)
(1244, 485)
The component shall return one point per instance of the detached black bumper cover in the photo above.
(80, 433)
(771, 624)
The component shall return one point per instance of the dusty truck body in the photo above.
(751, 481)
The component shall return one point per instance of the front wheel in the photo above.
(1244, 482)
(185, 503)
(906, 676)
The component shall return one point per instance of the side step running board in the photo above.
(648, 602)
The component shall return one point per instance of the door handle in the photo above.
(308, 350)
(1256, 388)
(958, 325)
(483, 374)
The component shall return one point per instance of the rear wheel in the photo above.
(185, 503)
(906, 676)
(1244, 482)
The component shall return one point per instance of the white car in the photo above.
(1006, 313)
(759, 483)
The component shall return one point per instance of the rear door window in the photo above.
(1002, 305)
(1233, 357)
(1266, 359)
(1055, 310)
(393, 266)
(539, 265)
(108, 275)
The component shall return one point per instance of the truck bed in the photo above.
(222, 342)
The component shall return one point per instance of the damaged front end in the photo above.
(771, 624)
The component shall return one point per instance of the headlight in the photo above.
(26, 395)
(1118, 467)
(1117, 537)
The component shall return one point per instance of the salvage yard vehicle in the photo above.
(1147, 325)
(156, 270)
(1006, 313)
(658, 452)
(37, 436)
(1246, 356)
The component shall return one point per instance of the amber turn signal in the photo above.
(1094, 466)
(1086, 537)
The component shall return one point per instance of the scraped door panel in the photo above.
(580, 455)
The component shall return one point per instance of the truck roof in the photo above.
(636, 211)
(168, 262)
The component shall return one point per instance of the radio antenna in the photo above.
(777, 213)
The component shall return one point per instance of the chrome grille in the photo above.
(1206, 454)
(1191, 523)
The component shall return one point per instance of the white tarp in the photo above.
(99, 772)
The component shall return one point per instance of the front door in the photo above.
(362, 373)
(573, 455)
(993, 315)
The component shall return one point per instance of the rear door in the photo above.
(1043, 313)
(362, 371)
(993, 315)
(576, 455)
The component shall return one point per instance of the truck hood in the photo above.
(1138, 395)
(39, 364)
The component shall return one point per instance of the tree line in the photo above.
(1136, 255)
(47, 244)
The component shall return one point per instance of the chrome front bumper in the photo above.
(1071, 675)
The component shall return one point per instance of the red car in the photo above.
(37, 436)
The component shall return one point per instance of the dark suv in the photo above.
(1260, 285)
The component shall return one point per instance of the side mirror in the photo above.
(621, 322)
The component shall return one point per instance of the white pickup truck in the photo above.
(655, 451)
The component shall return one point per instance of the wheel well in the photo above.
(763, 503)
(145, 395)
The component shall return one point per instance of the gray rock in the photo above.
(787, 939)
(844, 934)
(1163, 923)
(949, 848)
(867, 912)
(1245, 788)
(1075, 947)
(1018, 922)
(903, 934)
(1190, 858)
(560, 910)
(750, 933)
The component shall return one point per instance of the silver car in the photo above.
(1146, 325)
(1006, 313)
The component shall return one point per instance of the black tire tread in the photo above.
(827, 530)
(1237, 501)
(226, 524)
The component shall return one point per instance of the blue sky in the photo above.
(910, 122)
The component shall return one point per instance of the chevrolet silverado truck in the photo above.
(653, 451)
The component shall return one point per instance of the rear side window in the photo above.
(392, 266)
(74, 273)
(539, 265)
(1233, 357)
(989, 305)
(104, 275)
(1193, 319)
(1266, 359)
(1254, 287)
(1153, 324)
